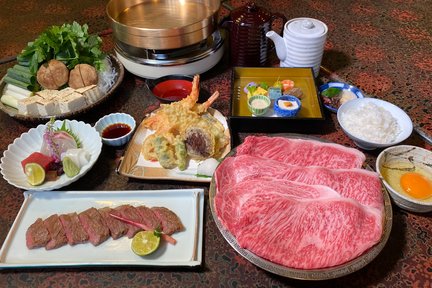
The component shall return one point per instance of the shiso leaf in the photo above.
(331, 92)
(70, 132)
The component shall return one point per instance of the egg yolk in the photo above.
(416, 185)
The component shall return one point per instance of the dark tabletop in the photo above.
(382, 47)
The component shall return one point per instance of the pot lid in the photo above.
(250, 15)
(306, 27)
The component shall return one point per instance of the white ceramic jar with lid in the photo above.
(302, 44)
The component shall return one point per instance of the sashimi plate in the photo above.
(31, 141)
(186, 203)
(310, 274)
(134, 165)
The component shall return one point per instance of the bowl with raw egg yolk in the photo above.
(407, 174)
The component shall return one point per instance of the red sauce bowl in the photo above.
(173, 88)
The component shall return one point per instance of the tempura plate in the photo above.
(186, 203)
(134, 165)
(311, 274)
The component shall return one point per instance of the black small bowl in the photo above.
(173, 88)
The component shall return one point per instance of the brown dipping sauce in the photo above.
(116, 130)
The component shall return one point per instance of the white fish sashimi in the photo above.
(79, 156)
(61, 142)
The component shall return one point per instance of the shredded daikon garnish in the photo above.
(107, 77)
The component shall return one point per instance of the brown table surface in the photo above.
(383, 47)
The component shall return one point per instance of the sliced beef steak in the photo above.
(359, 184)
(307, 234)
(148, 217)
(74, 231)
(131, 213)
(37, 235)
(56, 232)
(116, 227)
(170, 221)
(94, 225)
(302, 152)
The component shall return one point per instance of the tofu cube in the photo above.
(29, 106)
(72, 102)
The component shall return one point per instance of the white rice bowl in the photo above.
(373, 123)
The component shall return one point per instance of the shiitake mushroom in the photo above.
(83, 75)
(52, 75)
(200, 143)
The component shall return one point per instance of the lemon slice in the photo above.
(69, 167)
(35, 173)
(145, 242)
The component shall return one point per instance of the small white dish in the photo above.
(403, 120)
(416, 158)
(31, 141)
(120, 119)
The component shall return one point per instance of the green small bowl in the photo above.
(258, 104)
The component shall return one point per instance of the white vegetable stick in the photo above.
(18, 89)
(15, 94)
(9, 100)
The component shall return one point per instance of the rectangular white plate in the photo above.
(186, 203)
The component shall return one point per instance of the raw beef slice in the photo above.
(307, 234)
(359, 184)
(302, 152)
(228, 205)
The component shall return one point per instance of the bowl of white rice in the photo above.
(373, 123)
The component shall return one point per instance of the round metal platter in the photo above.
(116, 64)
(313, 274)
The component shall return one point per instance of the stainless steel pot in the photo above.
(162, 24)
